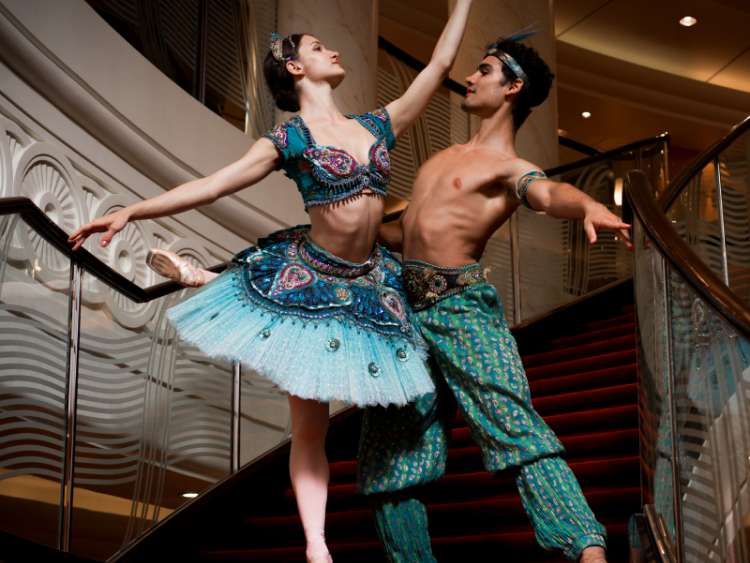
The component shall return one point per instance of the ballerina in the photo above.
(320, 310)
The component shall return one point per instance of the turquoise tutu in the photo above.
(318, 326)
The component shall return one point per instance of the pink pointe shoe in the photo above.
(174, 267)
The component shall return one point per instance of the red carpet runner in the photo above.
(584, 385)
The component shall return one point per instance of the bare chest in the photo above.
(451, 175)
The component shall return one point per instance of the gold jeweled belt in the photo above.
(427, 284)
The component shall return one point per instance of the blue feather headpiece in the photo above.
(277, 47)
(509, 61)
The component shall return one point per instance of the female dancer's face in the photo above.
(319, 63)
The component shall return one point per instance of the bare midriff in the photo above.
(348, 229)
(456, 205)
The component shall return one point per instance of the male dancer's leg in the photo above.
(400, 449)
(477, 355)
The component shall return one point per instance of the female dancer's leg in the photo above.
(308, 469)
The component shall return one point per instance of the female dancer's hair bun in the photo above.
(278, 78)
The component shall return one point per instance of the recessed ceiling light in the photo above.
(189, 495)
(688, 21)
(585, 114)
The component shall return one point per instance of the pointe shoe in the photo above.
(174, 267)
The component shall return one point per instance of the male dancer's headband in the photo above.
(510, 62)
(277, 47)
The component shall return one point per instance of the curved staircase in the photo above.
(581, 365)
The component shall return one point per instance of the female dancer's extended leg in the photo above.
(308, 468)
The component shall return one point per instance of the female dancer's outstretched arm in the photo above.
(406, 109)
(255, 165)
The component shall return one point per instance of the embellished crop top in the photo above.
(326, 174)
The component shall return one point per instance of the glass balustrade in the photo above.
(153, 416)
(154, 420)
(694, 373)
(734, 177)
(557, 264)
(34, 303)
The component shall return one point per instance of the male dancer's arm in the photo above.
(391, 234)
(564, 201)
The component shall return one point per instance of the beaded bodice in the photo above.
(326, 174)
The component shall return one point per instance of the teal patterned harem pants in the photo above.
(478, 366)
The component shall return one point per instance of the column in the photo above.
(351, 28)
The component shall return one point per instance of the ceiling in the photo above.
(639, 72)
(716, 50)
(629, 63)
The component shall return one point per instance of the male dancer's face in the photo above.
(488, 89)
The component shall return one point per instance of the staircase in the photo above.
(581, 366)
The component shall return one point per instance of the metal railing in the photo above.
(117, 417)
(694, 355)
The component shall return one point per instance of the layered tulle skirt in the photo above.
(316, 325)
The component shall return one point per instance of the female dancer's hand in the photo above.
(255, 165)
(412, 103)
(109, 224)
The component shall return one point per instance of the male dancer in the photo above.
(461, 196)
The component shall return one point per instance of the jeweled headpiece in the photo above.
(510, 62)
(277, 47)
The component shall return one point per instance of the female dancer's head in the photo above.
(296, 62)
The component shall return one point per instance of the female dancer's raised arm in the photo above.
(256, 164)
(406, 109)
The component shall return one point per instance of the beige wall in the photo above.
(537, 139)
(414, 26)
(348, 26)
(160, 135)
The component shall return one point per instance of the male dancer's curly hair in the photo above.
(278, 79)
(539, 74)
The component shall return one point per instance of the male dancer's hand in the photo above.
(598, 217)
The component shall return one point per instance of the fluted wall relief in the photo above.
(153, 415)
(71, 193)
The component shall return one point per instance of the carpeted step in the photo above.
(602, 361)
(614, 405)
(544, 387)
(586, 337)
(617, 320)
(596, 471)
(593, 398)
(488, 515)
(577, 446)
(516, 546)
(343, 475)
(612, 418)
(477, 484)
(583, 383)
(601, 346)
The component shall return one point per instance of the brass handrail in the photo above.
(55, 236)
(685, 176)
(680, 256)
